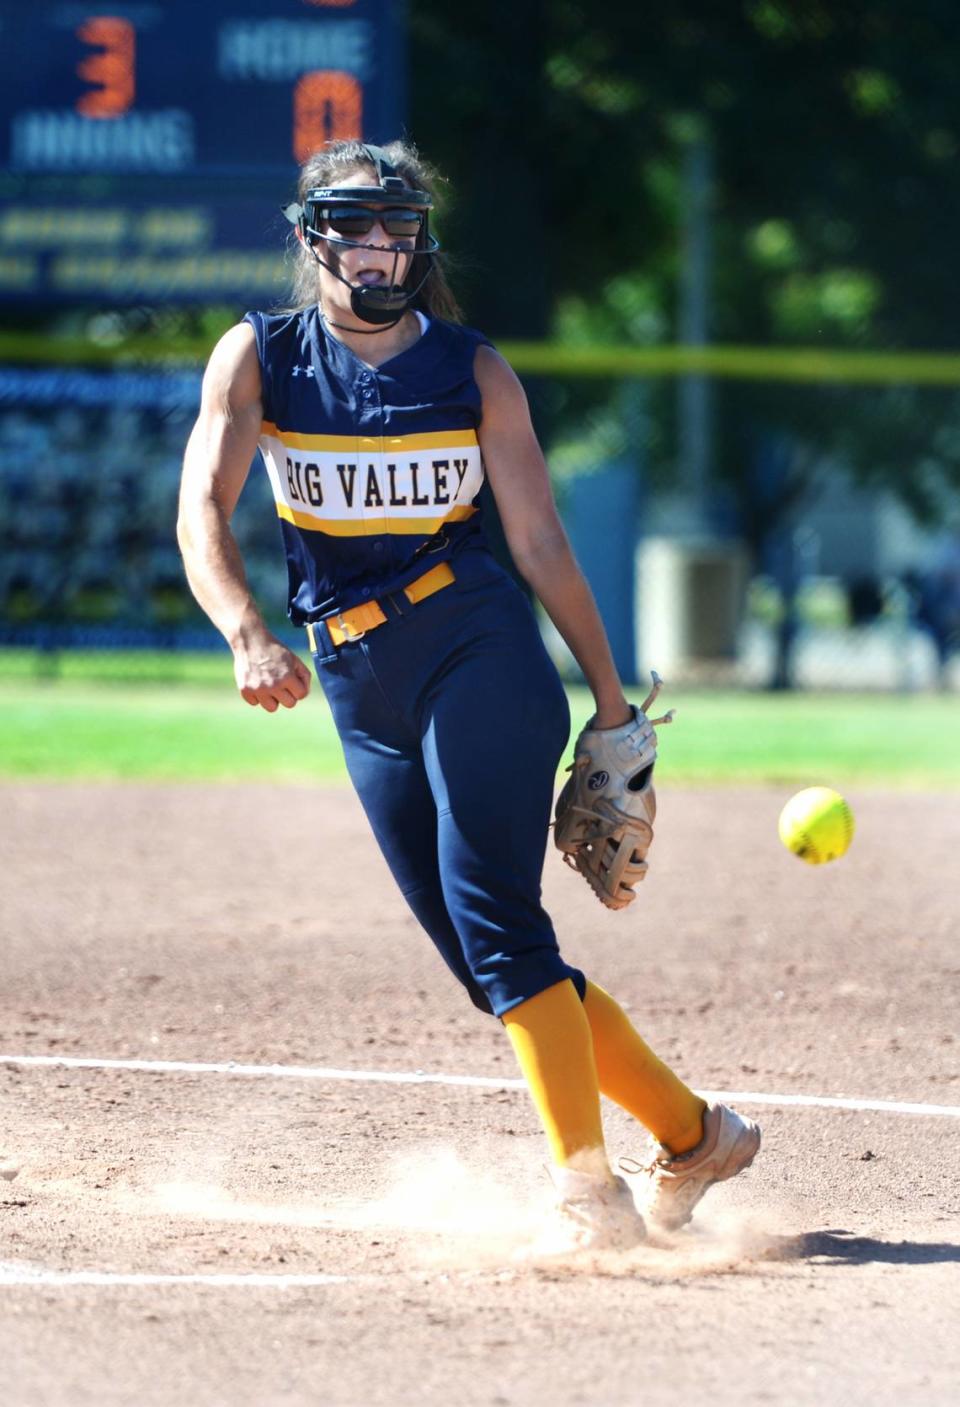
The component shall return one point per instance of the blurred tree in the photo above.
(837, 203)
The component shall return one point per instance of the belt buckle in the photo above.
(348, 630)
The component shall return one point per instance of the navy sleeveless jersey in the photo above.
(375, 471)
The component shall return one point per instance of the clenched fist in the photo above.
(269, 674)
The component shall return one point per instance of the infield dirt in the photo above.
(259, 925)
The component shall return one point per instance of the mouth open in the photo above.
(372, 278)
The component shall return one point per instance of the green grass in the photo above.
(137, 667)
(179, 718)
(829, 739)
(174, 733)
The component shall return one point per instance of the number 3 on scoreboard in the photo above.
(327, 107)
(111, 70)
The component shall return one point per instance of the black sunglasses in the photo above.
(350, 220)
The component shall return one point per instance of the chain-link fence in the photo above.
(89, 470)
(778, 560)
(800, 535)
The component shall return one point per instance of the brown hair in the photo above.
(335, 162)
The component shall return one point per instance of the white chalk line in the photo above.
(12, 1274)
(421, 1077)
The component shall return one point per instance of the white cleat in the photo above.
(8, 1169)
(591, 1213)
(676, 1183)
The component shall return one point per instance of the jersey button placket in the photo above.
(371, 448)
(366, 452)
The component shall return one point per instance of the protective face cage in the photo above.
(382, 305)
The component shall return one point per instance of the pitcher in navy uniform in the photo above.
(377, 416)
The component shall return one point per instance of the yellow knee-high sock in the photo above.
(633, 1077)
(551, 1037)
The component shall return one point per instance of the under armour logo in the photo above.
(304, 371)
(598, 781)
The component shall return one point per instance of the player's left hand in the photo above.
(605, 812)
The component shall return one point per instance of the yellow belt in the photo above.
(354, 624)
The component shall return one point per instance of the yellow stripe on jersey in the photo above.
(373, 527)
(377, 444)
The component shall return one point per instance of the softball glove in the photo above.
(605, 812)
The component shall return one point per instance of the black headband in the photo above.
(380, 162)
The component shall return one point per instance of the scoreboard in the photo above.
(147, 145)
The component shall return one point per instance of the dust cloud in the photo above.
(482, 1214)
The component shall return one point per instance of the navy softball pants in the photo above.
(453, 722)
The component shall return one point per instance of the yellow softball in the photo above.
(816, 825)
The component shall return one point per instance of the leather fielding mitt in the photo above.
(605, 812)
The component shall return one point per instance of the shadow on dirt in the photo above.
(837, 1246)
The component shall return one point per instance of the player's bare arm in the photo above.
(216, 464)
(518, 475)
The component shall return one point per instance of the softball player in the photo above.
(377, 416)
